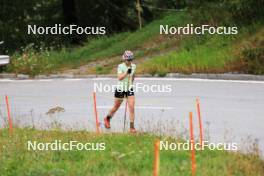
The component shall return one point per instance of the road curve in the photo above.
(232, 111)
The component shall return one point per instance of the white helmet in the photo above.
(128, 55)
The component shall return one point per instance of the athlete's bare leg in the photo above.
(131, 107)
(116, 106)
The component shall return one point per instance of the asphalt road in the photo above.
(232, 111)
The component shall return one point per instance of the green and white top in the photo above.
(124, 84)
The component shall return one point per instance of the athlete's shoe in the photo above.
(133, 130)
(107, 123)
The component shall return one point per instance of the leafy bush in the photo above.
(254, 60)
(246, 11)
(227, 12)
(30, 62)
(214, 13)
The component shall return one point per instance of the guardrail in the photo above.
(4, 60)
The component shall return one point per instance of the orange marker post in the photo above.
(200, 121)
(156, 158)
(192, 145)
(95, 113)
(9, 115)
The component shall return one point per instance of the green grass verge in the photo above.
(193, 53)
(33, 63)
(209, 57)
(207, 54)
(124, 155)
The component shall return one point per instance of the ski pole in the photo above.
(126, 104)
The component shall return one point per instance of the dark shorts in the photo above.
(123, 94)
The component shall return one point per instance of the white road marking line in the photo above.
(139, 107)
(100, 79)
(201, 80)
(141, 79)
(25, 80)
(73, 79)
(13, 80)
(7, 80)
(189, 79)
(44, 80)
